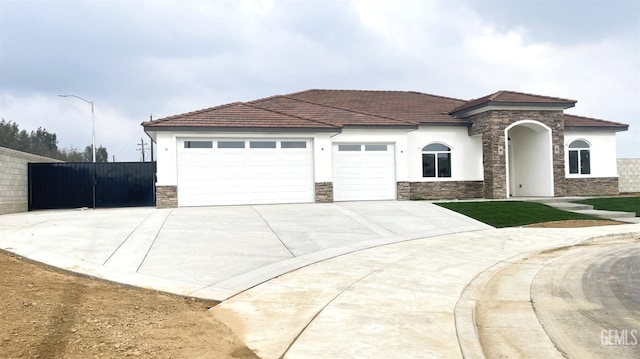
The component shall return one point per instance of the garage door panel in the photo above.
(228, 158)
(364, 172)
(245, 175)
(293, 179)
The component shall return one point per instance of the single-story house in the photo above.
(347, 145)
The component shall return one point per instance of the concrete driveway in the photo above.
(341, 280)
(415, 299)
(216, 252)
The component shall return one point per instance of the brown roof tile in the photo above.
(512, 97)
(581, 121)
(333, 109)
(326, 114)
(237, 114)
(408, 106)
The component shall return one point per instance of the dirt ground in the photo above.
(46, 313)
(575, 223)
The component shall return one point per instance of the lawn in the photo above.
(624, 204)
(512, 213)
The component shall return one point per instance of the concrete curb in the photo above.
(465, 309)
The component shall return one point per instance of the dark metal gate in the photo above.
(97, 185)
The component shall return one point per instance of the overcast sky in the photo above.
(135, 58)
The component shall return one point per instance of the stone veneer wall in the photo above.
(603, 186)
(14, 179)
(491, 125)
(324, 192)
(166, 196)
(629, 175)
(403, 191)
(440, 190)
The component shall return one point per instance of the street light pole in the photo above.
(93, 144)
(93, 124)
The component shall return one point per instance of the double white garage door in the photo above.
(261, 171)
(219, 172)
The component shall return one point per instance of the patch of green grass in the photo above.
(624, 204)
(511, 213)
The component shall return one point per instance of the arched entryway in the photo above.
(529, 159)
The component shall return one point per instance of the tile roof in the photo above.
(581, 121)
(512, 97)
(334, 109)
(409, 106)
(326, 114)
(236, 115)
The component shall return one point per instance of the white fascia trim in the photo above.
(512, 108)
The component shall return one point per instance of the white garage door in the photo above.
(363, 172)
(230, 171)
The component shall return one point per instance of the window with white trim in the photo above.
(198, 144)
(579, 157)
(293, 144)
(436, 160)
(370, 148)
(230, 144)
(349, 148)
(262, 144)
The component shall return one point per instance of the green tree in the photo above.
(71, 155)
(12, 137)
(101, 154)
(23, 142)
(43, 143)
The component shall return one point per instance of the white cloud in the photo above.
(70, 119)
(137, 58)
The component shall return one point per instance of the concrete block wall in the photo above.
(629, 175)
(14, 194)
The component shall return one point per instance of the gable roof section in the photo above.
(236, 115)
(326, 114)
(573, 121)
(408, 106)
(502, 98)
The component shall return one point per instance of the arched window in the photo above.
(436, 160)
(579, 158)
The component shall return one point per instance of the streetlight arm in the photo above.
(78, 97)
(93, 124)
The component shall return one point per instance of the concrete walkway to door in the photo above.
(216, 252)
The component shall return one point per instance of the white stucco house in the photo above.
(346, 145)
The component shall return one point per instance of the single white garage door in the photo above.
(230, 171)
(363, 172)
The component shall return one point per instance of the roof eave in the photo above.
(238, 129)
(489, 105)
(599, 128)
(389, 127)
(446, 123)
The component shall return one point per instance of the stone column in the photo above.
(166, 196)
(324, 192)
(491, 125)
(403, 191)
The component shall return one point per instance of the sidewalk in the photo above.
(412, 300)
